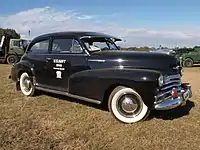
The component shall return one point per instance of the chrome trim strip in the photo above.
(96, 60)
(68, 94)
(173, 76)
(163, 93)
(172, 81)
(173, 85)
(167, 92)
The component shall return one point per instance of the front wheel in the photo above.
(26, 85)
(127, 106)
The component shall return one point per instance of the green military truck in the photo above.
(190, 58)
(11, 50)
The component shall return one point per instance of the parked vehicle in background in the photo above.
(11, 50)
(190, 58)
(180, 51)
(90, 67)
(164, 51)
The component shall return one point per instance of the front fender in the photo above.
(95, 83)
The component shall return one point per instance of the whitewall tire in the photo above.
(127, 106)
(26, 85)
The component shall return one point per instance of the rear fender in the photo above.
(19, 68)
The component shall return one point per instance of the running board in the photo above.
(69, 95)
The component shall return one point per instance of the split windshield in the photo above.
(99, 44)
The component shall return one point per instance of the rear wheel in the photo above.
(12, 59)
(127, 106)
(26, 85)
(188, 62)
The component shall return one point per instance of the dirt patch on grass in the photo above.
(47, 122)
(193, 77)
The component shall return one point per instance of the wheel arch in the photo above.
(22, 67)
(189, 58)
(13, 53)
(146, 95)
(109, 90)
(27, 70)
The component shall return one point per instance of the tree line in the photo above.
(13, 34)
(9, 32)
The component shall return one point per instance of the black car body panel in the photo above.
(18, 68)
(94, 83)
(94, 74)
(134, 59)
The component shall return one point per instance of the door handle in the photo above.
(48, 59)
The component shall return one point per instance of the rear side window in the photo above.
(62, 45)
(40, 47)
(66, 45)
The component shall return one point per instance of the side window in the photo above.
(76, 47)
(62, 45)
(66, 46)
(40, 47)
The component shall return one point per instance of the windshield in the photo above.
(99, 44)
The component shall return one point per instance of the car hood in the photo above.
(133, 59)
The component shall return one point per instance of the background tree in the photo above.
(145, 48)
(10, 32)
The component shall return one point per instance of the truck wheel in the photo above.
(188, 62)
(12, 59)
(127, 106)
(26, 85)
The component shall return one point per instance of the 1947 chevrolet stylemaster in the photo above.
(90, 67)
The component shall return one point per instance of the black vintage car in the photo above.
(90, 67)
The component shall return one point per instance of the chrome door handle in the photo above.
(48, 59)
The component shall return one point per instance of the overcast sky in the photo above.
(140, 23)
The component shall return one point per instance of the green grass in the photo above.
(47, 122)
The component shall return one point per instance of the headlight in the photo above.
(160, 80)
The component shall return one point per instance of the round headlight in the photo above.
(160, 80)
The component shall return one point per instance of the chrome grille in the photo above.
(170, 82)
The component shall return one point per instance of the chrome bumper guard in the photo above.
(184, 94)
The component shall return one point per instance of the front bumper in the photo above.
(184, 94)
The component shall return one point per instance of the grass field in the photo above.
(47, 122)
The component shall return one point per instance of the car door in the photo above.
(36, 55)
(65, 58)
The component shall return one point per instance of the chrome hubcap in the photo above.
(27, 84)
(129, 105)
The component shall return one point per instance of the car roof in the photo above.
(78, 34)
